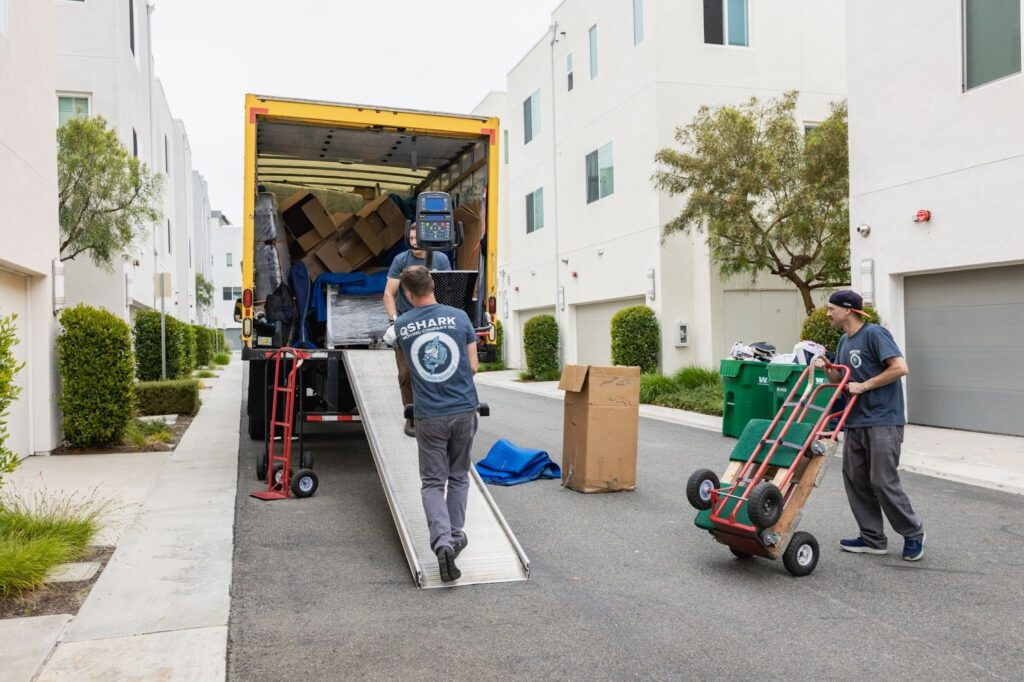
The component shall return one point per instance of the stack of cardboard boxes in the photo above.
(342, 242)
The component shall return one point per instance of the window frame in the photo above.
(531, 117)
(5, 18)
(638, 22)
(535, 210)
(592, 51)
(725, 38)
(87, 96)
(596, 155)
(170, 240)
(131, 28)
(964, 86)
(569, 80)
(227, 259)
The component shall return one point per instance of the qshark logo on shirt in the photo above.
(855, 360)
(435, 357)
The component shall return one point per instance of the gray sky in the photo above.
(441, 55)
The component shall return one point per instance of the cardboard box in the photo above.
(371, 206)
(371, 230)
(306, 220)
(468, 255)
(599, 438)
(344, 221)
(314, 265)
(365, 191)
(353, 252)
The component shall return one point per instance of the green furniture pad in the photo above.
(703, 519)
(755, 431)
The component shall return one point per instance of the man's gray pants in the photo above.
(870, 458)
(444, 448)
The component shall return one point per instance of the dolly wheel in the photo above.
(764, 506)
(699, 487)
(261, 466)
(801, 555)
(306, 460)
(740, 555)
(278, 476)
(304, 483)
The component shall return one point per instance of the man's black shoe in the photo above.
(446, 564)
(459, 543)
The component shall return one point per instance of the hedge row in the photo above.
(97, 366)
(188, 346)
(167, 397)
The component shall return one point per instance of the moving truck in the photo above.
(329, 187)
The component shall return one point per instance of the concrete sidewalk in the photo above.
(981, 459)
(160, 608)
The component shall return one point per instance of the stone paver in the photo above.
(73, 572)
(34, 639)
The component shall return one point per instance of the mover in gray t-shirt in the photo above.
(439, 345)
(874, 431)
(396, 303)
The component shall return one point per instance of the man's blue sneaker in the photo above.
(913, 549)
(859, 546)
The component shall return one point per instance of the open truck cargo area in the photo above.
(330, 193)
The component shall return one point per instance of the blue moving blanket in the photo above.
(507, 464)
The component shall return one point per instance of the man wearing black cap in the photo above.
(874, 430)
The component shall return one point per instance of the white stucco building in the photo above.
(105, 67)
(28, 217)
(585, 115)
(936, 104)
(226, 250)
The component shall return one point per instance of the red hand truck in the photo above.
(757, 505)
(280, 478)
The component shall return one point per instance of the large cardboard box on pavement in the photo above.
(599, 438)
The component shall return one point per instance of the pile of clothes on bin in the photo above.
(762, 351)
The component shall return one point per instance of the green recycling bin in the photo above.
(747, 394)
(784, 377)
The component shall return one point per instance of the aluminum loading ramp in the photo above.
(493, 554)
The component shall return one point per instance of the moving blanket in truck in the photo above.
(270, 258)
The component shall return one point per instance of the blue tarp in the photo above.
(508, 464)
(350, 283)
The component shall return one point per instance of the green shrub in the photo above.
(94, 354)
(705, 399)
(143, 433)
(540, 341)
(499, 343)
(204, 345)
(205, 374)
(817, 328)
(9, 366)
(179, 396)
(653, 387)
(695, 376)
(147, 347)
(222, 359)
(220, 345)
(636, 338)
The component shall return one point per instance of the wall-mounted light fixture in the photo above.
(650, 283)
(867, 280)
(565, 261)
(58, 285)
(561, 298)
(863, 229)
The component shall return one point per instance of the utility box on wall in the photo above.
(682, 334)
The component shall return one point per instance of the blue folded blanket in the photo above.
(508, 464)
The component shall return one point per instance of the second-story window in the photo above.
(592, 39)
(535, 210)
(131, 25)
(227, 259)
(991, 35)
(600, 173)
(135, 143)
(726, 22)
(638, 22)
(531, 117)
(568, 72)
(69, 107)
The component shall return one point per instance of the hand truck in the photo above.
(756, 506)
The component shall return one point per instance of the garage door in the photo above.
(12, 300)
(593, 330)
(965, 348)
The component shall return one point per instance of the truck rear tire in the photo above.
(257, 395)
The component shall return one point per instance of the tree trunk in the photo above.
(805, 292)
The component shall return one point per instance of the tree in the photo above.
(204, 292)
(768, 197)
(106, 195)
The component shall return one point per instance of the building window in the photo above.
(169, 249)
(592, 38)
(135, 144)
(600, 174)
(810, 126)
(167, 156)
(227, 259)
(535, 210)
(3, 17)
(991, 40)
(227, 294)
(726, 22)
(190, 253)
(69, 107)
(131, 25)
(531, 117)
(568, 71)
(638, 22)
(504, 142)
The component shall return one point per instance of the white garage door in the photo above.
(12, 300)
(593, 330)
(965, 348)
(772, 316)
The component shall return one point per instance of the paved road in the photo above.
(623, 586)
